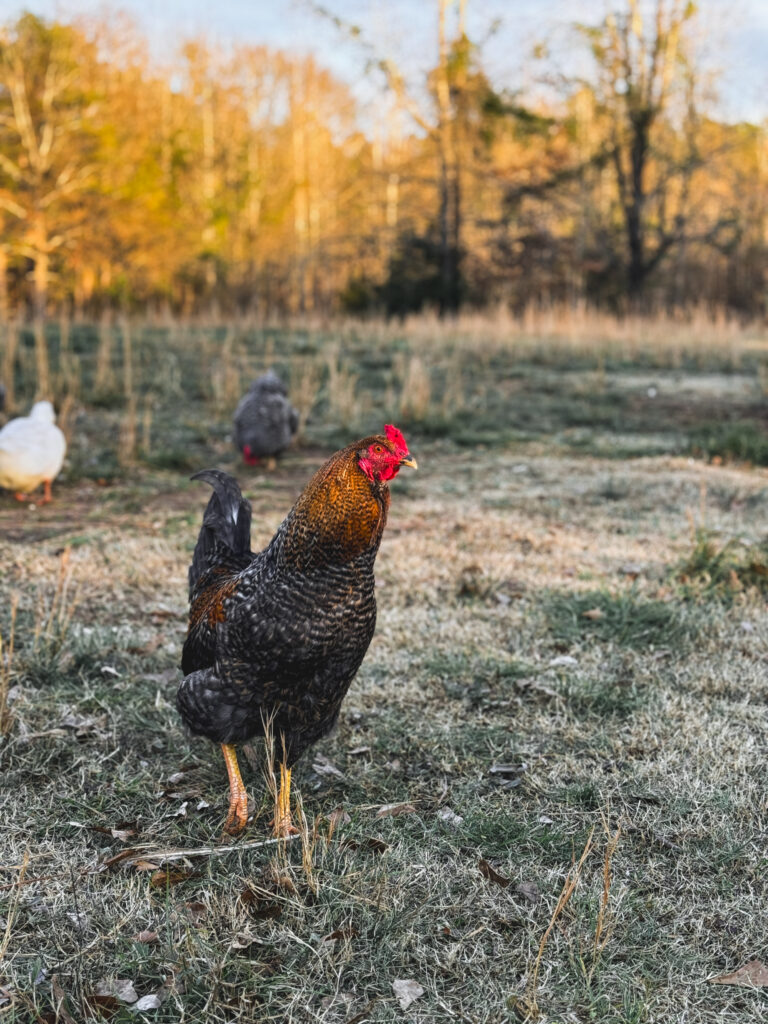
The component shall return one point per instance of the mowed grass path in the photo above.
(538, 676)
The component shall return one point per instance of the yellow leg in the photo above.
(283, 826)
(238, 797)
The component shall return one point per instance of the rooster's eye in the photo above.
(379, 449)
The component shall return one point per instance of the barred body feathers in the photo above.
(282, 633)
(265, 422)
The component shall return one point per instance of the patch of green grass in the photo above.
(624, 618)
(723, 570)
(603, 695)
(742, 441)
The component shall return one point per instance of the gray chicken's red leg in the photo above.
(237, 818)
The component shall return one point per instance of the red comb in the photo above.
(397, 439)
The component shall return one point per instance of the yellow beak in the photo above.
(409, 461)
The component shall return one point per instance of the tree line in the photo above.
(247, 180)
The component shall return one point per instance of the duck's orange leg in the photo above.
(47, 496)
(238, 797)
(20, 497)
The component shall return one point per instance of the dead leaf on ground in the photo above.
(84, 725)
(406, 991)
(196, 911)
(145, 865)
(103, 1006)
(338, 817)
(751, 975)
(120, 988)
(359, 751)
(392, 810)
(171, 876)
(489, 872)
(450, 817)
(323, 766)
(529, 890)
(121, 832)
(145, 936)
(153, 1001)
(118, 858)
(594, 614)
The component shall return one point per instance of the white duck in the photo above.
(31, 451)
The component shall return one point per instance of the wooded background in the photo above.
(245, 179)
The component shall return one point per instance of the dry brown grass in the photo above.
(644, 723)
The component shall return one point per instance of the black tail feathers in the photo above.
(225, 536)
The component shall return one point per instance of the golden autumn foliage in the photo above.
(246, 179)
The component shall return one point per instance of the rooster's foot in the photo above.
(237, 818)
(284, 828)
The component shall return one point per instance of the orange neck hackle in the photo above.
(343, 509)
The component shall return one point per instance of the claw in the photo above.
(237, 818)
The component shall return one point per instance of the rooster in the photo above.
(276, 638)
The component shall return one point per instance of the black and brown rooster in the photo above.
(278, 636)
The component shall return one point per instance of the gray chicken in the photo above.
(265, 421)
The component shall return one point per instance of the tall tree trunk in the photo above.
(448, 208)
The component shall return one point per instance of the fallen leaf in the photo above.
(243, 941)
(492, 874)
(196, 911)
(145, 865)
(170, 876)
(182, 811)
(120, 988)
(150, 1002)
(358, 751)
(103, 1006)
(112, 862)
(563, 661)
(751, 975)
(323, 766)
(338, 817)
(594, 614)
(350, 932)
(406, 991)
(529, 890)
(392, 810)
(450, 817)
(145, 936)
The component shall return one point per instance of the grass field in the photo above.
(568, 691)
